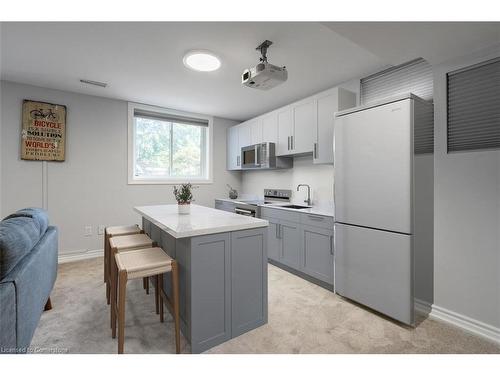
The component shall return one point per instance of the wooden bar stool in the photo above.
(145, 263)
(109, 232)
(123, 244)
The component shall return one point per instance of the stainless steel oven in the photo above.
(246, 211)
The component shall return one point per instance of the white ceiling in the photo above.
(399, 42)
(143, 61)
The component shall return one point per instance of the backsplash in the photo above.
(319, 177)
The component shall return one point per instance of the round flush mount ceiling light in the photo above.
(202, 61)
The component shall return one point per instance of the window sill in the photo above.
(169, 182)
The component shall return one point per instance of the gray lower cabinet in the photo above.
(222, 283)
(248, 281)
(318, 253)
(273, 240)
(304, 246)
(290, 244)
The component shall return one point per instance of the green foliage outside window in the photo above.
(168, 150)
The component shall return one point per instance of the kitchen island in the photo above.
(222, 260)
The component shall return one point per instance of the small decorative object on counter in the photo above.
(183, 196)
(233, 193)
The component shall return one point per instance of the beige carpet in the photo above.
(303, 318)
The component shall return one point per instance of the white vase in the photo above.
(184, 209)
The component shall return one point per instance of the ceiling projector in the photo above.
(264, 76)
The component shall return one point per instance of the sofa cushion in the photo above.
(18, 236)
(38, 214)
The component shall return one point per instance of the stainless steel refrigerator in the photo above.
(383, 191)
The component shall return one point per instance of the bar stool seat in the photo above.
(122, 244)
(109, 232)
(123, 230)
(145, 263)
(130, 242)
(142, 263)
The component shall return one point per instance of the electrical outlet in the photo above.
(88, 230)
(100, 230)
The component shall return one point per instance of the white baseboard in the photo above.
(422, 307)
(73, 257)
(466, 323)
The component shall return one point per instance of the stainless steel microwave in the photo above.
(263, 156)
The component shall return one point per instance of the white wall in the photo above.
(467, 211)
(320, 177)
(90, 187)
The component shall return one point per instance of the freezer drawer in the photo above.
(373, 167)
(374, 268)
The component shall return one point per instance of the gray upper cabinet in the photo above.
(303, 127)
(328, 103)
(318, 253)
(270, 127)
(304, 120)
(285, 132)
(233, 149)
(255, 131)
(245, 133)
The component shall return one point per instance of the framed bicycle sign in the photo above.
(43, 135)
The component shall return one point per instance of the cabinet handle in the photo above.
(291, 142)
(331, 244)
(317, 218)
(288, 138)
(277, 235)
(279, 231)
(315, 150)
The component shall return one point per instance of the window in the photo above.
(168, 146)
(414, 76)
(474, 107)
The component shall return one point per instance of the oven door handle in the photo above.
(241, 211)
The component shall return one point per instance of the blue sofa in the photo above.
(28, 270)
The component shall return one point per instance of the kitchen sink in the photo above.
(295, 207)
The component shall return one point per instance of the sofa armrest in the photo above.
(7, 317)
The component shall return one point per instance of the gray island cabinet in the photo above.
(222, 261)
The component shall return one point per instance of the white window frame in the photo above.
(134, 180)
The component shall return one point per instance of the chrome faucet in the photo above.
(308, 200)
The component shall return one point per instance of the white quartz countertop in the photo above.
(323, 210)
(200, 221)
(313, 210)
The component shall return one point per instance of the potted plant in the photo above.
(183, 196)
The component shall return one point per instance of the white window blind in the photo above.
(414, 76)
(474, 107)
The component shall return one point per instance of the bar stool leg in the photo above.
(175, 294)
(146, 284)
(106, 266)
(105, 251)
(114, 280)
(121, 310)
(157, 294)
(160, 277)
